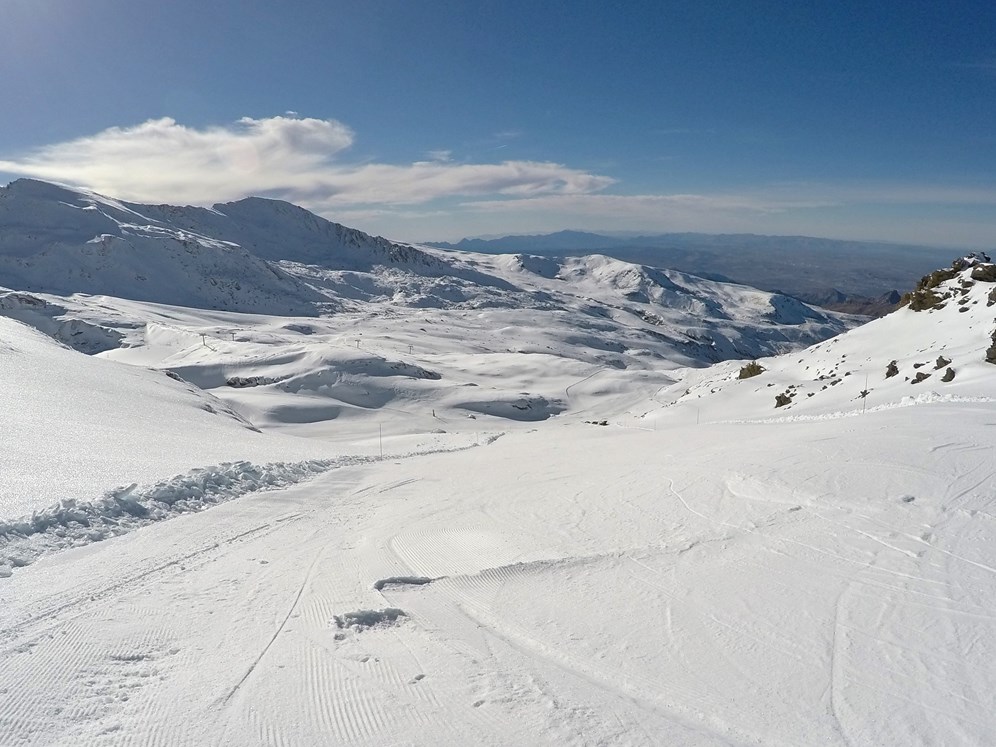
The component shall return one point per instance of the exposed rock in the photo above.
(941, 362)
(970, 260)
(891, 370)
(855, 304)
(782, 400)
(984, 273)
(949, 375)
(751, 369)
(923, 297)
(920, 377)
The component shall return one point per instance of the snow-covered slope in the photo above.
(62, 241)
(267, 256)
(488, 500)
(75, 425)
(934, 349)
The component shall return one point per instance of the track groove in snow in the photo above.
(86, 597)
(276, 633)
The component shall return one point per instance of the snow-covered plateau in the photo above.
(268, 480)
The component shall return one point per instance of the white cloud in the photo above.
(655, 207)
(911, 213)
(306, 161)
(162, 161)
(294, 158)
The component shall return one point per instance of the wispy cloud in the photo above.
(308, 161)
(295, 158)
(914, 213)
(439, 155)
(747, 210)
(654, 206)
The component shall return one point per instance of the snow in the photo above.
(404, 522)
(361, 619)
(73, 523)
(75, 425)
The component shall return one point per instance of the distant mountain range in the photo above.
(852, 276)
(270, 257)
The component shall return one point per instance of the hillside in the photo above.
(931, 349)
(478, 499)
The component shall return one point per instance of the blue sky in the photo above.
(437, 120)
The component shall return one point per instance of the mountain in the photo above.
(835, 300)
(64, 241)
(561, 241)
(270, 257)
(468, 498)
(290, 322)
(805, 267)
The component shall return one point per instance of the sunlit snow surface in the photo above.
(407, 526)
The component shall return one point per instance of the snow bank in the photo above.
(72, 523)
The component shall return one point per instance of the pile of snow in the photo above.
(362, 619)
(72, 523)
(54, 320)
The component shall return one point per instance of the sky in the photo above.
(436, 120)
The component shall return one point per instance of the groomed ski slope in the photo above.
(237, 530)
(823, 582)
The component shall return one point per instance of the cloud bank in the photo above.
(307, 161)
(295, 158)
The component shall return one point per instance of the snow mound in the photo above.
(72, 523)
(363, 619)
(53, 320)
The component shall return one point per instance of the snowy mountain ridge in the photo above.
(267, 256)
